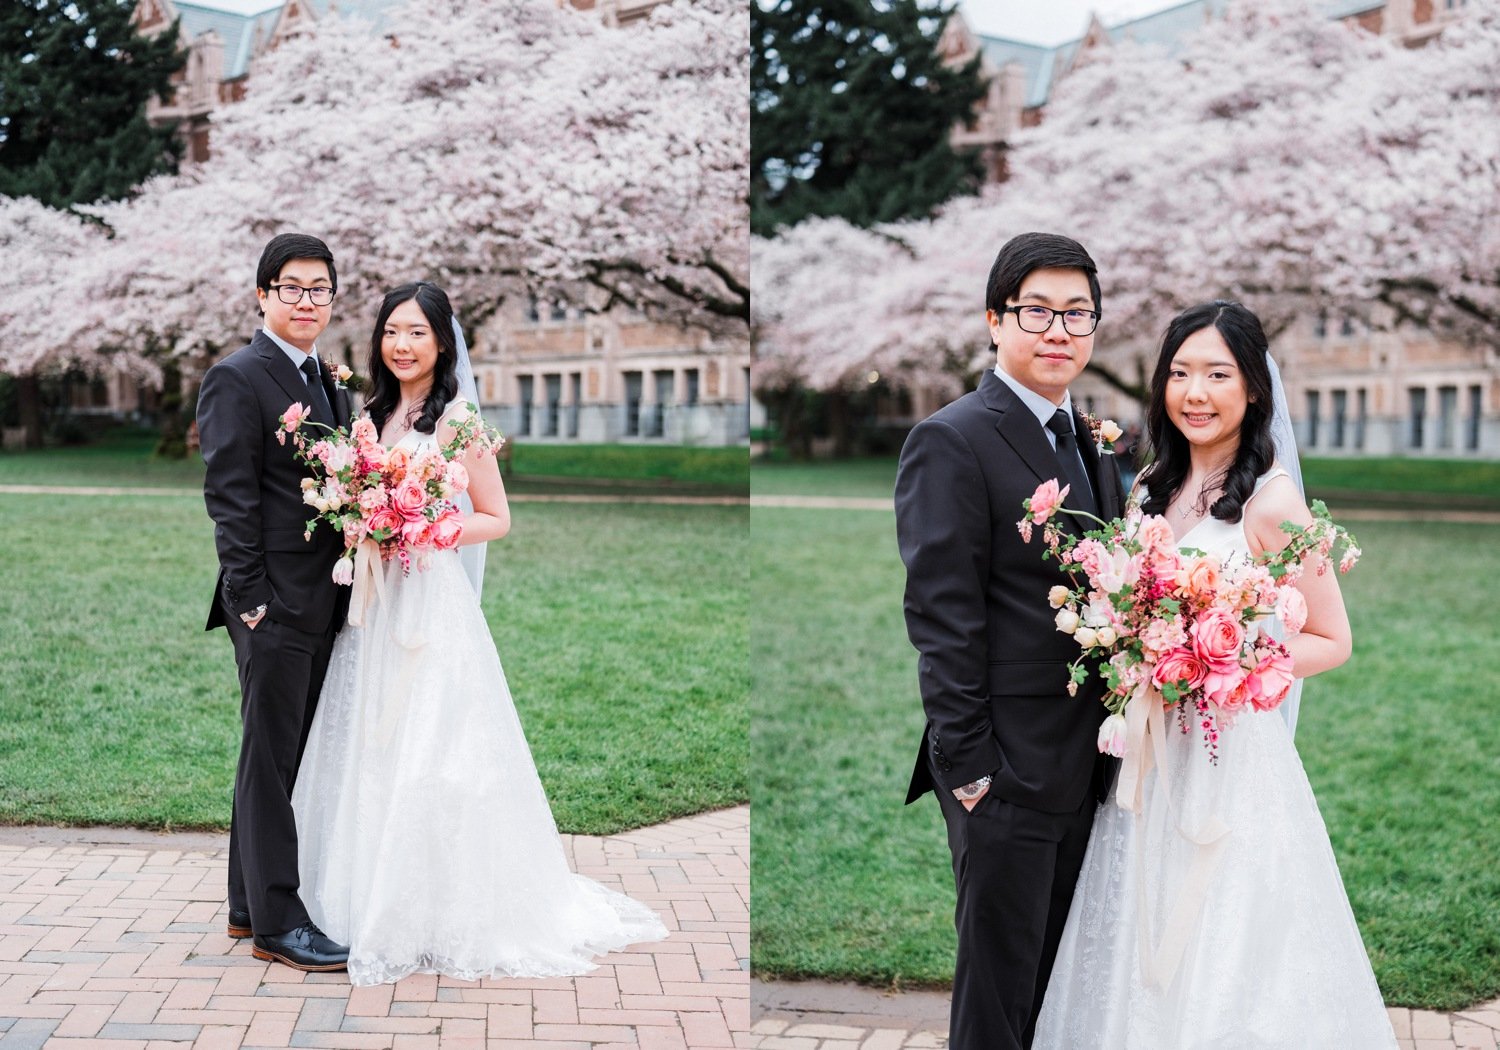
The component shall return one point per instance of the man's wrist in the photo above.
(254, 614)
(973, 790)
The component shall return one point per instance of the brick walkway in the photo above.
(819, 1016)
(114, 940)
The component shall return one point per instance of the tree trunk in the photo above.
(29, 404)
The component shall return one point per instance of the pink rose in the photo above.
(1045, 500)
(292, 418)
(409, 500)
(1181, 666)
(1217, 637)
(1292, 608)
(1227, 689)
(417, 532)
(1269, 682)
(383, 524)
(447, 530)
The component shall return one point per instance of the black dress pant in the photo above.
(1014, 869)
(281, 674)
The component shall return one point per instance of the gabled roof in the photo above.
(253, 22)
(1041, 64)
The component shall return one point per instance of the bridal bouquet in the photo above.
(1179, 624)
(406, 504)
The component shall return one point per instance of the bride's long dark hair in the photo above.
(385, 392)
(1242, 333)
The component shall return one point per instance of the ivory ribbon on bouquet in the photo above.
(367, 574)
(1145, 747)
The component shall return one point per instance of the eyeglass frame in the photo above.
(301, 291)
(1095, 314)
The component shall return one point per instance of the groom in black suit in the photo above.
(275, 594)
(1011, 756)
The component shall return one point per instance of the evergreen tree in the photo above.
(852, 107)
(75, 77)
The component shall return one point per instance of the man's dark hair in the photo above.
(285, 247)
(1036, 251)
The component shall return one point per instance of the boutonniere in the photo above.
(340, 373)
(1105, 431)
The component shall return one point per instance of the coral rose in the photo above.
(1181, 666)
(446, 531)
(409, 500)
(382, 524)
(1269, 682)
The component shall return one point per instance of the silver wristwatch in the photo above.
(969, 792)
(254, 614)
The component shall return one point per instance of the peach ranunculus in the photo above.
(397, 460)
(1292, 608)
(1045, 500)
(1200, 577)
(1269, 682)
(409, 500)
(1217, 637)
(446, 531)
(1181, 666)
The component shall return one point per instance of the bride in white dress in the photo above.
(426, 842)
(1245, 941)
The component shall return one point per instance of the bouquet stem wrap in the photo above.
(1146, 748)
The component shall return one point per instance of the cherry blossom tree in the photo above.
(503, 148)
(1274, 155)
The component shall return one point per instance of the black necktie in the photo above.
(1081, 496)
(321, 411)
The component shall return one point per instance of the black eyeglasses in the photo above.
(1037, 319)
(291, 294)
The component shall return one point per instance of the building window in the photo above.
(656, 418)
(533, 309)
(1361, 409)
(1340, 413)
(554, 405)
(1447, 415)
(528, 390)
(559, 312)
(1418, 395)
(1476, 406)
(633, 382)
(1313, 405)
(691, 376)
(1346, 326)
(1320, 324)
(577, 385)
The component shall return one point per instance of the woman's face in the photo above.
(1206, 396)
(407, 345)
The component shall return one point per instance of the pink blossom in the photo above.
(1292, 609)
(1112, 736)
(1162, 634)
(363, 432)
(1090, 555)
(1045, 500)
(458, 476)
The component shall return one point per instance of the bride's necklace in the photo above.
(400, 427)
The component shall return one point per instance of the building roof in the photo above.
(253, 22)
(1041, 64)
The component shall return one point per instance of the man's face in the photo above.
(1045, 362)
(299, 323)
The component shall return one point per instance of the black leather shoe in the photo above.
(305, 948)
(239, 924)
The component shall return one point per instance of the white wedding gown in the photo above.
(1271, 961)
(425, 840)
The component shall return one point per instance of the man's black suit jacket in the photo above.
(992, 664)
(253, 489)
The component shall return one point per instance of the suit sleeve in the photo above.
(943, 528)
(229, 432)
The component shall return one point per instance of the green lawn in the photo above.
(622, 628)
(1400, 745)
(1390, 481)
(123, 457)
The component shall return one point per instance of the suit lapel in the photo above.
(1019, 428)
(281, 368)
